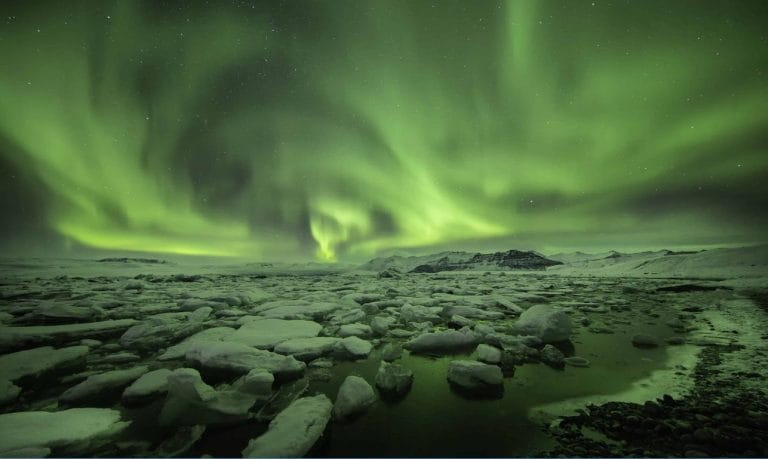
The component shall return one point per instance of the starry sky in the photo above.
(342, 129)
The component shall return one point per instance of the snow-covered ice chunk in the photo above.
(35, 362)
(257, 382)
(549, 324)
(474, 376)
(191, 401)
(97, 388)
(449, 340)
(239, 358)
(353, 348)
(357, 329)
(43, 429)
(393, 379)
(16, 337)
(307, 349)
(9, 392)
(177, 351)
(354, 397)
(488, 354)
(294, 431)
(149, 385)
(266, 333)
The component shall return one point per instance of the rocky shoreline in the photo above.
(721, 417)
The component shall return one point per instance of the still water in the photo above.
(432, 420)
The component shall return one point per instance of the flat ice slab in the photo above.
(35, 429)
(294, 431)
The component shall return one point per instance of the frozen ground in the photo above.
(141, 358)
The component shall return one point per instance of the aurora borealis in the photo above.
(343, 129)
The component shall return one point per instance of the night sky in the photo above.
(341, 129)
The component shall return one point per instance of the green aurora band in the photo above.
(342, 129)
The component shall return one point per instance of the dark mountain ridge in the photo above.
(464, 261)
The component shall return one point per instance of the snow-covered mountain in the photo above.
(725, 262)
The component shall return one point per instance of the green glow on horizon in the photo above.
(403, 125)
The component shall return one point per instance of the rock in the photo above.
(294, 431)
(191, 401)
(451, 340)
(488, 354)
(391, 352)
(307, 349)
(239, 358)
(703, 435)
(508, 364)
(33, 363)
(360, 330)
(9, 392)
(76, 429)
(148, 386)
(102, 387)
(267, 333)
(552, 356)
(474, 376)
(576, 361)
(352, 348)
(380, 324)
(178, 351)
(354, 397)
(393, 379)
(547, 323)
(645, 341)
